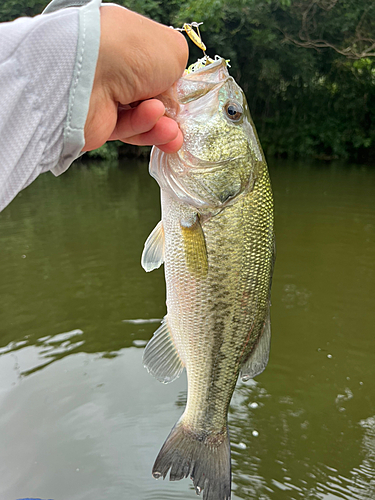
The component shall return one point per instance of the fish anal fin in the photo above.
(206, 459)
(258, 359)
(153, 252)
(195, 246)
(160, 356)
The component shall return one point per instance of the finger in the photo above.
(164, 131)
(138, 120)
(173, 146)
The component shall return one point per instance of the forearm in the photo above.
(47, 67)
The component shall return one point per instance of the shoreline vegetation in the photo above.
(307, 68)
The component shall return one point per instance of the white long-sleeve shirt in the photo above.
(47, 68)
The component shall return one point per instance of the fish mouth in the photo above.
(211, 67)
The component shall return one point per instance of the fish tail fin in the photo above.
(202, 456)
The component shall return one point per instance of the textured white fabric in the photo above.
(47, 67)
(36, 67)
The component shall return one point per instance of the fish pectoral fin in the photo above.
(195, 246)
(258, 359)
(160, 356)
(153, 252)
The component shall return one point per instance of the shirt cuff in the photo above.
(83, 77)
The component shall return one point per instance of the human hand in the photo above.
(138, 60)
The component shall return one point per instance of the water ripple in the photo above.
(28, 359)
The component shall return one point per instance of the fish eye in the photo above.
(234, 111)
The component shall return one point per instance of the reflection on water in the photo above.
(80, 417)
(43, 352)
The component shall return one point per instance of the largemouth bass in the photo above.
(217, 243)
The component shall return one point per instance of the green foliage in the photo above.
(162, 11)
(109, 151)
(306, 66)
(11, 9)
(305, 102)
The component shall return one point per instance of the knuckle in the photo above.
(182, 49)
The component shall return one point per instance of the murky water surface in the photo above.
(81, 419)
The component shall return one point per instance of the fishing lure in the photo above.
(194, 36)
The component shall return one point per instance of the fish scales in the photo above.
(217, 244)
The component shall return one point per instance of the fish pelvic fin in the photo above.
(202, 456)
(195, 246)
(160, 356)
(153, 252)
(258, 359)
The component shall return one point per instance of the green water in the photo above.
(81, 419)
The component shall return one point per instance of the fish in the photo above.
(216, 240)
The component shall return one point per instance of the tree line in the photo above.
(307, 67)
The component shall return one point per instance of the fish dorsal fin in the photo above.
(161, 357)
(153, 252)
(195, 246)
(258, 359)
